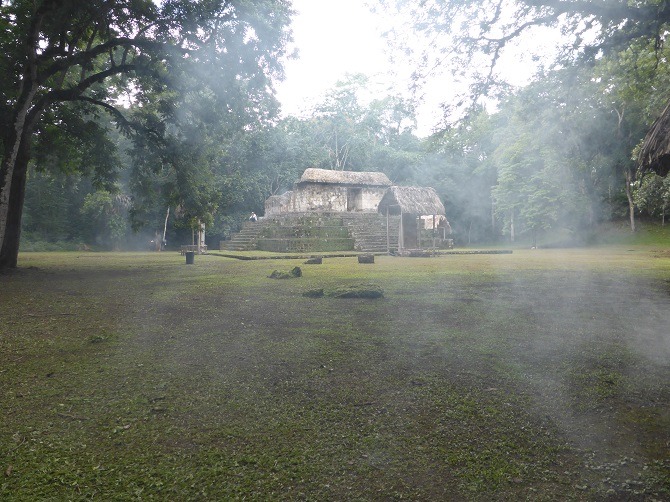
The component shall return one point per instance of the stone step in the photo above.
(368, 230)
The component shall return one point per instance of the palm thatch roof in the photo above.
(411, 200)
(314, 175)
(655, 152)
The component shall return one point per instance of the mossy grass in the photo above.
(536, 375)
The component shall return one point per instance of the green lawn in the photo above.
(538, 375)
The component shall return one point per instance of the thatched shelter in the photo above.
(411, 203)
(655, 151)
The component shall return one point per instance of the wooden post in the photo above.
(388, 240)
(401, 235)
(663, 219)
(167, 215)
(199, 236)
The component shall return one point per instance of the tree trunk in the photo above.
(201, 236)
(16, 154)
(13, 176)
(629, 196)
(164, 241)
(627, 173)
(11, 206)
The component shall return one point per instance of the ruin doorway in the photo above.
(354, 199)
(410, 231)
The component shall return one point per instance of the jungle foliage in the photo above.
(193, 71)
(555, 157)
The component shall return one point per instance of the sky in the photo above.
(333, 38)
(336, 37)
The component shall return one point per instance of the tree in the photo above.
(339, 125)
(65, 55)
(550, 158)
(569, 135)
(471, 38)
(458, 165)
(535, 192)
(616, 47)
(652, 195)
(106, 213)
(357, 133)
(52, 213)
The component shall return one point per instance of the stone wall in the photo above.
(320, 197)
(371, 197)
(311, 197)
(278, 204)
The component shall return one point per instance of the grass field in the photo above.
(537, 375)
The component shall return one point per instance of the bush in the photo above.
(32, 242)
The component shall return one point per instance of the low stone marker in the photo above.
(366, 258)
(315, 260)
(350, 291)
(294, 272)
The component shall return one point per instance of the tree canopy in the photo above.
(65, 61)
(469, 40)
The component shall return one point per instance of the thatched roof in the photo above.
(314, 175)
(412, 200)
(655, 151)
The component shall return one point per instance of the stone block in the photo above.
(366, 258)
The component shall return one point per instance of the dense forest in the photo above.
(121, 120)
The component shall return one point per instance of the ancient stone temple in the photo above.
(344, 211)
(326, 191)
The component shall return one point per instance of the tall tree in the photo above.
(356, 133)
(57, 53)
(459, 166)
(339, 124)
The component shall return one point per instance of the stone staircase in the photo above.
(366, 232)
(245, 239)
(369, 231)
